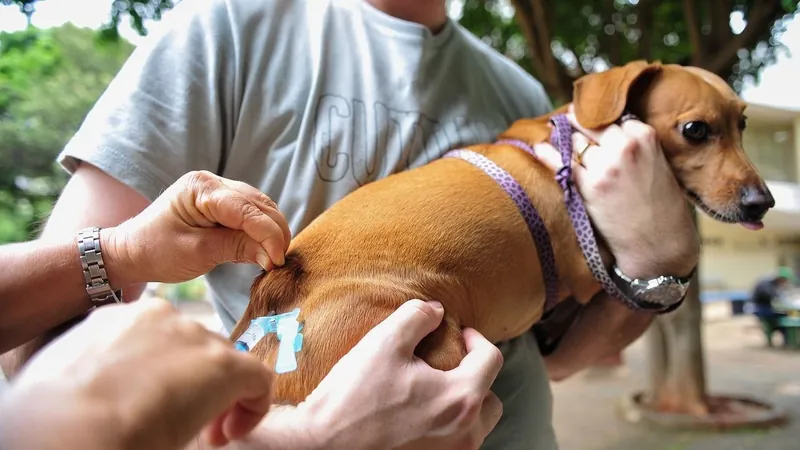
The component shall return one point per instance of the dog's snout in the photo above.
(756, 201)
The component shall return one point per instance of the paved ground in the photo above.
(736, 362)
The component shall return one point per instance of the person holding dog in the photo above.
(307, 101)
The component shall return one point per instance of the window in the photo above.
(772, 151)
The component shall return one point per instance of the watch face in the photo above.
(661, 294)
(665, 294)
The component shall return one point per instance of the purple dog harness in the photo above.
(539, 232)
(562, 140)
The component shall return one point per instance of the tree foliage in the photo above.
(559, 42)
(49, 79)
(138, 12)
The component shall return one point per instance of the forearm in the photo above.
(42, 286)
(604, 327)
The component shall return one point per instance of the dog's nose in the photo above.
(756, 201)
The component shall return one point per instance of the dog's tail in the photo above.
(275, 291)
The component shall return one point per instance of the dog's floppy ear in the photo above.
(599, 98)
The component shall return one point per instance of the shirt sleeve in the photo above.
(172, 107)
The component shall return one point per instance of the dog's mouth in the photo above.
(722, 217)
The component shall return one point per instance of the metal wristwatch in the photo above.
(656, 293)
(94, 271)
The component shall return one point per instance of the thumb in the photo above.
(407, 326)
(228, 245)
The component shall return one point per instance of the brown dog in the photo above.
(447, 231)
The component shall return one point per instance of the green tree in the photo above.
(561, 41)
(49, 79)
(136, 11)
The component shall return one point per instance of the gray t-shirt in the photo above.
(307, 100)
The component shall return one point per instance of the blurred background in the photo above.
(717, 374)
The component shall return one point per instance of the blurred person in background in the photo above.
(766, 294)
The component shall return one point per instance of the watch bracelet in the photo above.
(95, 276)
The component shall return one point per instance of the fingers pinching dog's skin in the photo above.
(266, 204)
(205, 200)
(200, 214)
(233, 209)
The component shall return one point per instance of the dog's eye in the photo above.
(742, 123)
(696, 131)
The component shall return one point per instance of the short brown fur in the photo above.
(447, 232)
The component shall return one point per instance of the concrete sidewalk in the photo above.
(737, 362)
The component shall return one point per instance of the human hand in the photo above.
(382, 396)
(633, 198)
(135, 376)
(202, 220)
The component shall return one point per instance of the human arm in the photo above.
(200, 221)
(635, 201)
(111, 203)
(603, 327)
(152, 382)
(34, 273)
(42, 285)
(639, 209)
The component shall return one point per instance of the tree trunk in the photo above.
(534, 18)
(675, 358)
